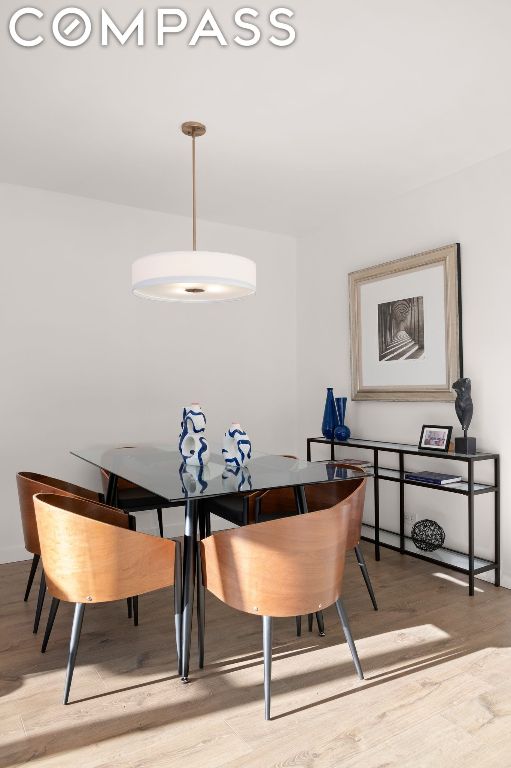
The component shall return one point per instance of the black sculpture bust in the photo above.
(464, 411)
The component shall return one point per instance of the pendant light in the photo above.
(193, 275)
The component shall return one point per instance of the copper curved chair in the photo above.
(262, 506)
(91, 556)
(351, 493)
(258, 570)
(30, 483)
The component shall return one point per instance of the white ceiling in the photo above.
(374, 98)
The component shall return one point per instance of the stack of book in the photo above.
(435, 478)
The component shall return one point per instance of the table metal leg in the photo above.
(111, 492)
(178, 602)
(111, 500)
(301, 508)
(376, 508)
(189, 555)
(300, 499)
(401, 503)
(132, 610)
(471, 528)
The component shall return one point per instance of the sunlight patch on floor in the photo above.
(456, 581)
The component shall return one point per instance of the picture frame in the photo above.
(435, 438)
(405, 327)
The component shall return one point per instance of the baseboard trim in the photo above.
(14, 554)
(505, 581)
(17, 552)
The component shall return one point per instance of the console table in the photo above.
(466, 563)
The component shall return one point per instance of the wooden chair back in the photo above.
(351, 493)
(30, 483)
(285, 567)
(122, 484)
(90, 556)
(252, 497)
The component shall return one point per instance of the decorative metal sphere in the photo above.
(428, 535)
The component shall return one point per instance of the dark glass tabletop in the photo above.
(160, 469)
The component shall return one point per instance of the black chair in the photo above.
(131, 498)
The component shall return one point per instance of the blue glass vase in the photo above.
(330, 418)
(341, 432)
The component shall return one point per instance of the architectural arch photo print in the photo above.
(401, 329)
(405, 331)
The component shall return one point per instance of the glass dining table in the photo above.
(159, 469)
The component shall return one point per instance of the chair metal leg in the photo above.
(201, 618)
(160, 521)
(349, 637)
(365, 573)
(135, 610)
(49, 624)
(33, 569)
(267, 645)
(298, 626)
(310, 621)
(321, 623)
(208, 523)
(178, 601)
(129, 600)
(40, 601)
(73, 647)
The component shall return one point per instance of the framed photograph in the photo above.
(405, 318)
(435, 438)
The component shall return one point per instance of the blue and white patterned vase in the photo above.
(237, 448)
(330, 417)
(341, 432)
(193, 445)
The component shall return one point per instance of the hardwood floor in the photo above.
(437, 690)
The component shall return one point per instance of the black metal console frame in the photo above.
(468, 488)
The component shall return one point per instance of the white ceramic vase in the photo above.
(236, 448)
(193, 445)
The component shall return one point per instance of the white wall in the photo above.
(84, 361)
(473, 208)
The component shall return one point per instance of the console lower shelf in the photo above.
(463, 562)
(450, 558)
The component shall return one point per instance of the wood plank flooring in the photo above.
(437, 690)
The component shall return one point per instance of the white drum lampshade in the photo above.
(193, 275)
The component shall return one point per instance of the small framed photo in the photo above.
(435, 438)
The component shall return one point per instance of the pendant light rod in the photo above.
(193, 128)
(194, 199)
